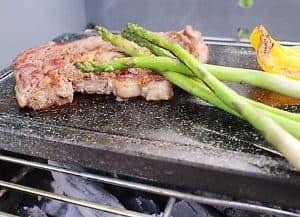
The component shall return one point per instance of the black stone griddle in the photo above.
(182, 142)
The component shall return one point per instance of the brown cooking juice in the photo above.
(273, 99)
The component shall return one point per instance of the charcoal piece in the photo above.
(56, 208)
(244, 213)
(32, 212)
(79, 188)
(141, 203)
(192, 209)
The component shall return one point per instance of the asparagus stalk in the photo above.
(151, 62)
(288, 145)
(266, 80)
(273, 82)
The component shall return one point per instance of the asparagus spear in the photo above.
(273, 82)
(288, 145)
(151, 62)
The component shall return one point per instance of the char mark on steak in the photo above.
(46, 75)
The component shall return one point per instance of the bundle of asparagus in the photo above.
(280, 128)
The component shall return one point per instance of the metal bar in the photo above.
(169, 207)
(153, 189)
(6, 72)
(4, 214)
(244, 41)
(234, 44)
(72, 200)
(225, 39)
(23, 171)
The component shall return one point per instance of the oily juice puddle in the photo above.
(271, 98)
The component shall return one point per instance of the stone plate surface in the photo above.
(182, 142)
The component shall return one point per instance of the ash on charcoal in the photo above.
(142, 204)
(79, 188)
(32, 212)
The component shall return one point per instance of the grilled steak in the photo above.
(45, 75)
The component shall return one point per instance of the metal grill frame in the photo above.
(172, 194)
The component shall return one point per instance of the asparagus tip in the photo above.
(132, 25)
(85, 66)
(78, 64)
(103, 32)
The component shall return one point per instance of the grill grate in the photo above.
(172, 194)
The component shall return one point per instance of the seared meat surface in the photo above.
(45, 75)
